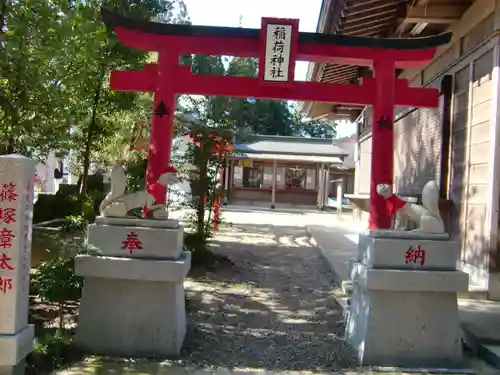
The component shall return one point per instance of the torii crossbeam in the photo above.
(279, 45)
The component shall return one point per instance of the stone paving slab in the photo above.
(337, 245)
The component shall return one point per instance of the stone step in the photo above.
(486, 349)
(491, 354)
(474, 293)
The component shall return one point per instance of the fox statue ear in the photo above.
(168, 178)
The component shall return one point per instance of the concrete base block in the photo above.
(14, 348)
(147, 242)
(19, 369)
(136, 222)
(405, 329)
(135, 308)
(133, 269)
(405, 314)
(389, 253)
(409, 281)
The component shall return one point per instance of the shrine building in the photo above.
(278, 170)
(456, 144)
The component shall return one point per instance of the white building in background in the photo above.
(52, 172)
(181, 191)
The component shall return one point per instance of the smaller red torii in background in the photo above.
(168, 78)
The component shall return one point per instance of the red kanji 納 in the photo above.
(8, 192)
(4, 262)
(412, 255)
(5, 284)
(132, 242)
(6, 237)
(8, 215)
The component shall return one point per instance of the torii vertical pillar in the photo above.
(382, 163)
(160, 140)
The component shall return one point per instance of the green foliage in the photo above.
(51, 350)
(54, 81)
(248, 115)
(66, 202)
(136, 171)
(55, 281)
(32, 117)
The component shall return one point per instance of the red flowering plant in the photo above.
(206, 154)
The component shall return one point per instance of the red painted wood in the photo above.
(382, 163)
(160, 139)
(363, 94)
(168, 79)
(346, 55)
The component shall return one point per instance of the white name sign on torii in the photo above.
(279, 46)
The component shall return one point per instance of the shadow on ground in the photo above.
(273, 309)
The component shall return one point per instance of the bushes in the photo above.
(55, 290)
(54, 281)
(66, 202)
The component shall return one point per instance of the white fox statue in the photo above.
(427, 215)
(119, 204)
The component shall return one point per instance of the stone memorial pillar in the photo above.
(133, 301)
(17, 176)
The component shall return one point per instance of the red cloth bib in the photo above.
(394, 204)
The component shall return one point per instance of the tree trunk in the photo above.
(11, 146)
(200, 214)
(4, 5)
(212, 201)
(88, 144)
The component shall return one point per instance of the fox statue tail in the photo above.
(118, 185)
(430, 198)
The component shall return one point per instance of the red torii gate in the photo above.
(168, 78)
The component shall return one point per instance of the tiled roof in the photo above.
(291, 146)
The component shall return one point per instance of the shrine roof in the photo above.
(113, 19)
(378, 19)
(294, 158)
(291, 146)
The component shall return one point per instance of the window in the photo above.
(311, 179)
(295, 177)
(252, 177)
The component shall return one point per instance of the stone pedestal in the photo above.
(133, 301)
(403, 310)
(17, 176)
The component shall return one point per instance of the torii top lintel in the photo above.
(244, 42)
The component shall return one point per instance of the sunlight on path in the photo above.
(272, 312)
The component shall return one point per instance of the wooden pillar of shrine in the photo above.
(321, 184)
(227, 170)
(326, 187)
(273, 189)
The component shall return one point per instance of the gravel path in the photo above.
(272, 310)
